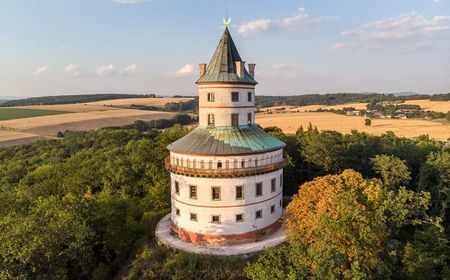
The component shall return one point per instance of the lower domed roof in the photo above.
(226, 141)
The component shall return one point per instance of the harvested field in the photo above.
(98, 116)
(16, 113)
(290, 122)
(93, 124)
(126, 102)
(75, 108)
(315, 107)
(8, 137)
(427, 105)
(20, 131)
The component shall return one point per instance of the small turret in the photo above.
(240, 68)
(202, 67)
(251, 69)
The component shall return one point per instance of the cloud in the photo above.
(280, 71)
(186, 70)
(72, 70)
(339, 46)
(41, 70)
(300, 20)
(131, 69)
(406, 32)
(105, 70)
(130, 1)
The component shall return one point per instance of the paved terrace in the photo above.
(164, 235)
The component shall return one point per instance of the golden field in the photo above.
(48, 126)
(314, 107)
(88, 116)
(126, 102)
(427, 105)
(75, 108)
(289, 122)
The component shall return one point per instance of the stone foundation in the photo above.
(227, 239)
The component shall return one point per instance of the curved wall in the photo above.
(222, 106)
(228, 206)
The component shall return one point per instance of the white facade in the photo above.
(228, 206)
(217, 196)
(221, 105)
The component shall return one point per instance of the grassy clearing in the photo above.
(15, 113)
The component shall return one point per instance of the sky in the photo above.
(58, 47)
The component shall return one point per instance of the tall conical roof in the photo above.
(222, 67)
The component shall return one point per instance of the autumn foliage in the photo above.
(335, 213)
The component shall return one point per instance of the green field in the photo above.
(15, 113)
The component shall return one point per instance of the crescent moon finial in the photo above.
(227, 21)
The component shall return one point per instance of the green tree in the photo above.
(367, 122)
(324, 150)
(392, 170)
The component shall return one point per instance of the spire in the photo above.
(225, 63)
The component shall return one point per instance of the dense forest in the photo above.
(340, 98)
(85, 207)
(69, 99)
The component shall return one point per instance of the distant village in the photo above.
(381, 110)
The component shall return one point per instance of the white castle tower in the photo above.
(226, 174)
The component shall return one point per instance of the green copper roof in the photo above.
(226, 141)
(222, 66)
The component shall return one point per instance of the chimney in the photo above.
(251, 69)
(202, 68)
(240, 68)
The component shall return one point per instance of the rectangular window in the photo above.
(177, 187)
(215, 193)
(239, 192)
(281, 203)
(273, 184)
(243, 164)
(281, 181)
(215, 219)
(239, 217)
(177, 211)
(259, 190)
(234, 96)
(272, 209)
(193, 217)
(234, 119)
(193, 192)
(211, 119)
(219, 165)
(249, 96)
(258, 214)
(210, 96)
(249, 118)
